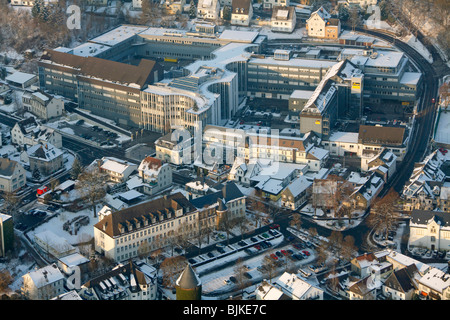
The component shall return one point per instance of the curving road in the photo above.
(426, 111)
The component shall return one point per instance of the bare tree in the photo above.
(384, 213)
(269, 266)
(11, 203)
(239, 273)
(91, 185)
(171, 269)
(296, 221)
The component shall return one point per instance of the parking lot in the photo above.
(92, 133)
(217, 268)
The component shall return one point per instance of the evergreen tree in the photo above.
(77, 169)
(36, 10)
(227, 13)
(192, 10)
(36, 174)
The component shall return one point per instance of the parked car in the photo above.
(248, 275)
(305, 252)
(273, 256)
(233, 279)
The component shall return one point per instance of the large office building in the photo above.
(117, 75)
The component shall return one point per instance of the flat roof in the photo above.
(239, 36)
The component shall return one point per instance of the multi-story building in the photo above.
(154, 175)
(208, 9)
(241, 12)
(338, 95)
(134, 280)
(271, 4)
(429, 229)
(321, 25)
(428, 187)
(126, 233)
(220, 207)
(12, 175)
(43, 105)
(117, 170)
(283, 19)
(29, 132)
(106, 88)
(44, 157)
(386, 76)
(278, 76)
(43, 284)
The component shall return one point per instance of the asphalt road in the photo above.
(426, 110)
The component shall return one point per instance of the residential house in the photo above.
(208, 9)
(374, 138)
(361, 264)
(429, 229)
(267, 291)
(43, 105)
(428, 187)
(284, 19)
(118, 170)
(401, 284)
(298, 289)
(202, 186)
(130, 281)
(271, 4)
(43, 284)
(174, 151)
(241, 12)
(44, 157)
(321, 25)
(296, 193)
(29, 132)
(364, 289)
(274, 178)
(6, 234)
(384, 163)
(364, 195)
(76, 265)
(435, 285)
(153, 176)
(12, 175)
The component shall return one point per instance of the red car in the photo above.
(257, 246)
(306, 253)
(284, 252)
(273, 256)
(275, 226)
(433, 100)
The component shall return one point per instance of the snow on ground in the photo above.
(56, 221)
(414, 43)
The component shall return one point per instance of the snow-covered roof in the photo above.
(340, 136)
(20, 77)
(411, 78)
(436, 279)
(74, 259)
(238, 35)
(299, 185)
(117, 165)
(46, 275)
(130, 195)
